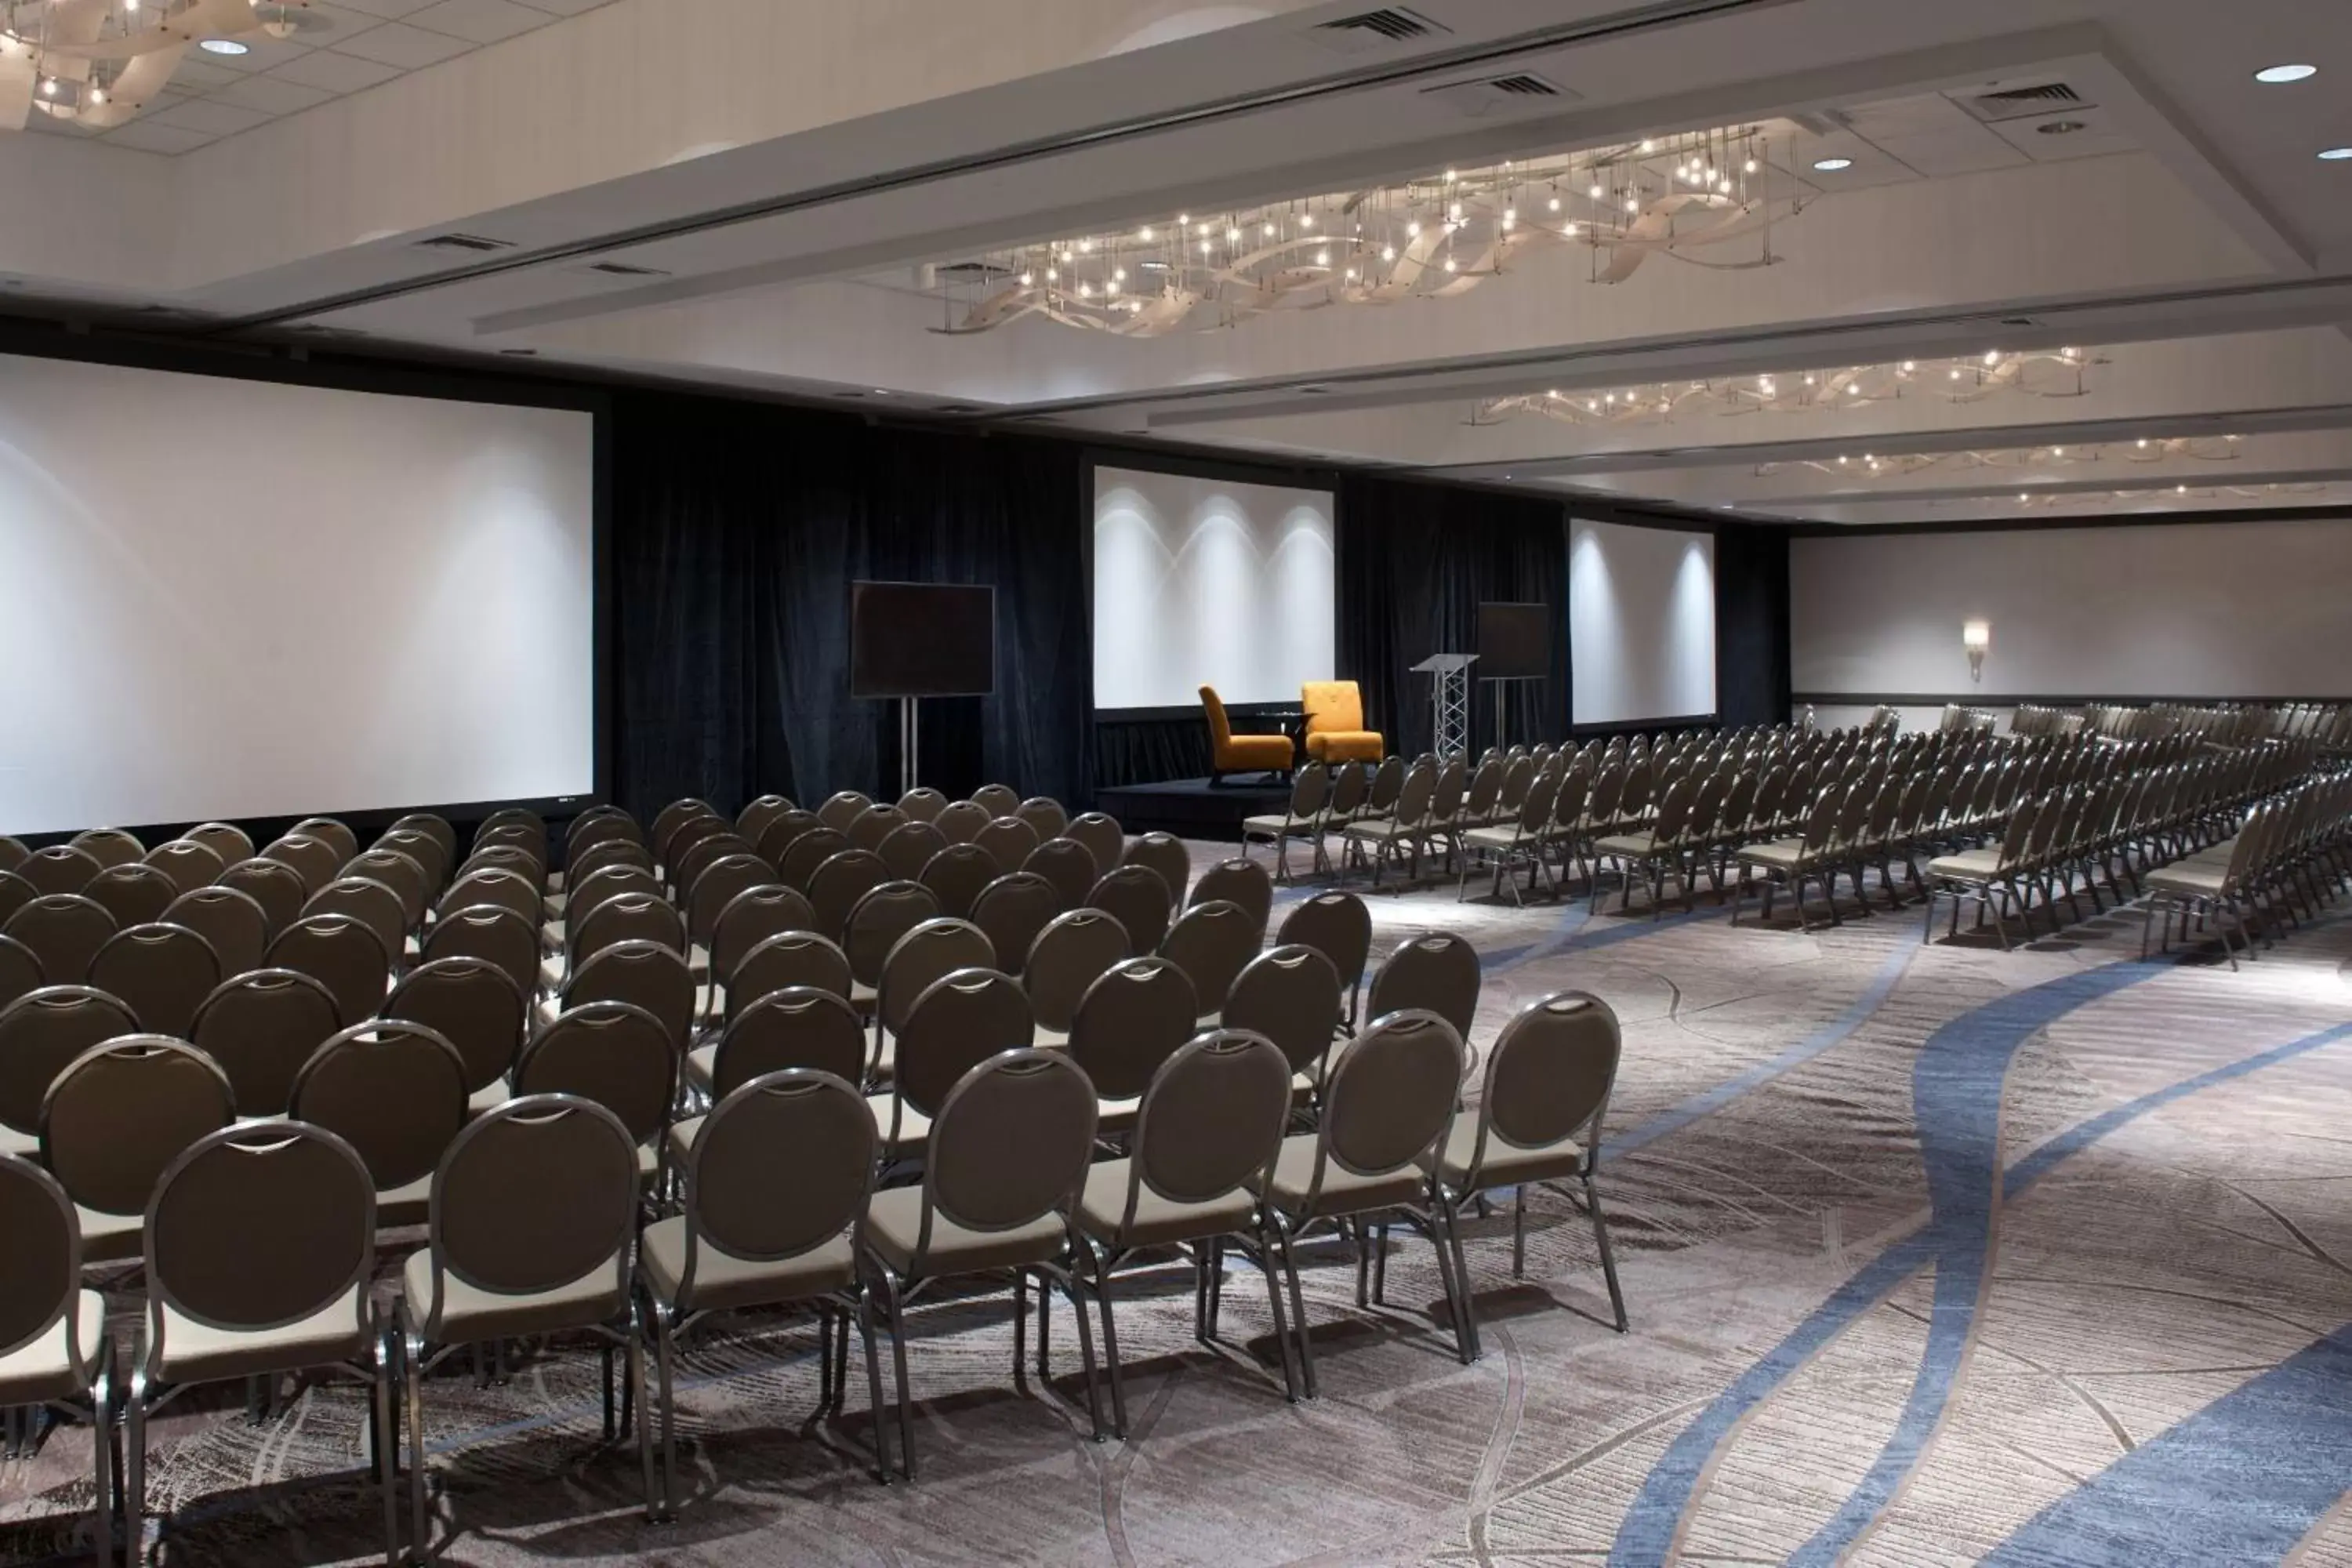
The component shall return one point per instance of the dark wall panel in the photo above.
(1751, 624)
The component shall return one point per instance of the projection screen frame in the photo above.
(489, 388)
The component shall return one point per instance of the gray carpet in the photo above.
(1934, 1255)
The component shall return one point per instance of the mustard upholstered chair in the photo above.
(1335, 723)
(1232, 753)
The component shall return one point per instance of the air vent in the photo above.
(968, 271)
(2022, 102)
(1496, 95)
(1373, 30)
(957, 409)
(624, 270)
(463, 242)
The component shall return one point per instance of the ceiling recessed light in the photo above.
(223, 47)
(1832, 165)
(2336, 155)
(2059, 127)
(2275, 74)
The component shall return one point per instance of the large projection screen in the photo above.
(1641, 622)
(231, 598)
(1203, 581)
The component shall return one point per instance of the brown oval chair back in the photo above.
(261, 1025)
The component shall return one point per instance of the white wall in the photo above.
(1209, 583)
(2235, 609)
(231, 598)
(1641, 622)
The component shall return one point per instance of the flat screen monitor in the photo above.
(1514, 642)
(922, 639)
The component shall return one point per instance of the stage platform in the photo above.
(1193, 808)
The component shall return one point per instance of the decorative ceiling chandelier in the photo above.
(1871, 465)
(1689, 197)
(97, 62)
(2040, 374)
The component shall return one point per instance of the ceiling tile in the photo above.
(567, 8)
(333, 72)
(398, 44)
(52, 124)
(146, 136)
(270, 95)
(261, 52)
(195, 73)
(205, 114)
(324, 25)
(386, 8)
(479, 21)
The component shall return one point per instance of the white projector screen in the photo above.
(1641, 622)
(1209, 583)
(233, 599)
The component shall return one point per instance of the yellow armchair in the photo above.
(1335, 723)
(1232, 753)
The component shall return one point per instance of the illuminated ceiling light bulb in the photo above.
(1910, 365)
(1183, 218)
(1235, 235)
(1087, 246)
(1553, 393)
(1451, 176)
(1751, 166)
(1724, 185)
(1027, 278)
(48, 87)
(1388, 253)
(1840, 459)
(1052, 275)
(1270, 231)
(1809, 381)
(1632, 204)
(98, 95)
(1351, 275)
(223, 47)
(1449, 264)
(1205, 248)
(1595, 193)
(1454, 212)
(2057, 451)
(1086, 291)
(2273, 74)
(1144, 233)
(1555, 204)
(1612, 398)
(1569, 231)
(1992, 357)
(1648, 145)
(1832, 165)
(1413, 230)
(2180, 489)
(1308, 221)
(1954, 373)
(1322, 258)
(2143, 442)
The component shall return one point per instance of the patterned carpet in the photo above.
(1934, 1254)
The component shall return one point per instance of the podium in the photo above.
(1449, 699)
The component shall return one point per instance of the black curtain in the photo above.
(1751, 624)
(1415, 562)
(736, 529)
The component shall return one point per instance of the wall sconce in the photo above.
(1976, 636)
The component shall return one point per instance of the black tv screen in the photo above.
(921, 639)
(1514, 642)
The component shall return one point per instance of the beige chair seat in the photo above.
(492, 1094)
(1492, 838)
(1506, 1166)
(1343, 1192)
(702, 1067)
(1113, 1116)
(44, 1370)
(551, 978)
(721, 1279)
(894, 1225)
(1782, 854)
(194, 1353)
(470, 1313)
(697, 963)
(1372, 828)
(914, 1127)
(1269, 827)
(862, 997)
(408, 1205)
(2196, 881)
(1968, 865)
(1159, 1221)
(549, 1009)
(1046, 1039)
(111, 1237)
(1635, 844)
(679, 1139)
(12, 1141)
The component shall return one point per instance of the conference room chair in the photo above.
(1484, 791)
(232, 923)
(1164, 853)
(1399, 832)
(20, 970)
(54, 1351)
(960, 1019)
(996, 799)
(884, 914)
(371, 902)
(1293, 996)
(789, 959)
(1339, 926)
(343, 952)
(1443, 824)
(108, 846)
(489, 932)
(834, 887)
(673, 816)
(574, 830)
(908, 847)
(705, 853)
(1044, 813)
(749, 919)
(777, 1180)
(610, 918)
(1005, 1173)
(395, 1091)
(1387, 1107)
(934, 947)
(590, 837)
(534, 1215)
(161, 972)
(1233, 754)
(1101, 834)
(797, 1027)
(759, 811)
(499, 889)
(261, 1245)
(1074, 951)
(842, 808)
(1520, 843)
(1211, 943)
(1656, 853)
(1811, 856)
(314, 860)
(421, 848)
(1010, 839)
(1335, 723)
(615, 1055)
(331, 831)
(260, 1025)
(134, 892)
(1545, 1093)
(1380, 791)
(687, 837)
(778, 837)
(1570, 834)
(59, 868)
(434, 827)
(12, 852)
(1138, 900)
(962, 820)
(1301, 818)
(1207, 1131)
(1518, 777)
(477, 1007)
(1068, 865)
(592, 891)
(956, 875)
(64, 931)
(869, 828)
(1432, 972)
(115, 1119)
(408, 879)
(41, 1034)
(1351, 784)
(922, 804)
(1013, 909)
(647, 974)
(581, 867)
(713, 888)
(1237, 881)
(1135, 1015)
(277, 888)
(15, 894)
